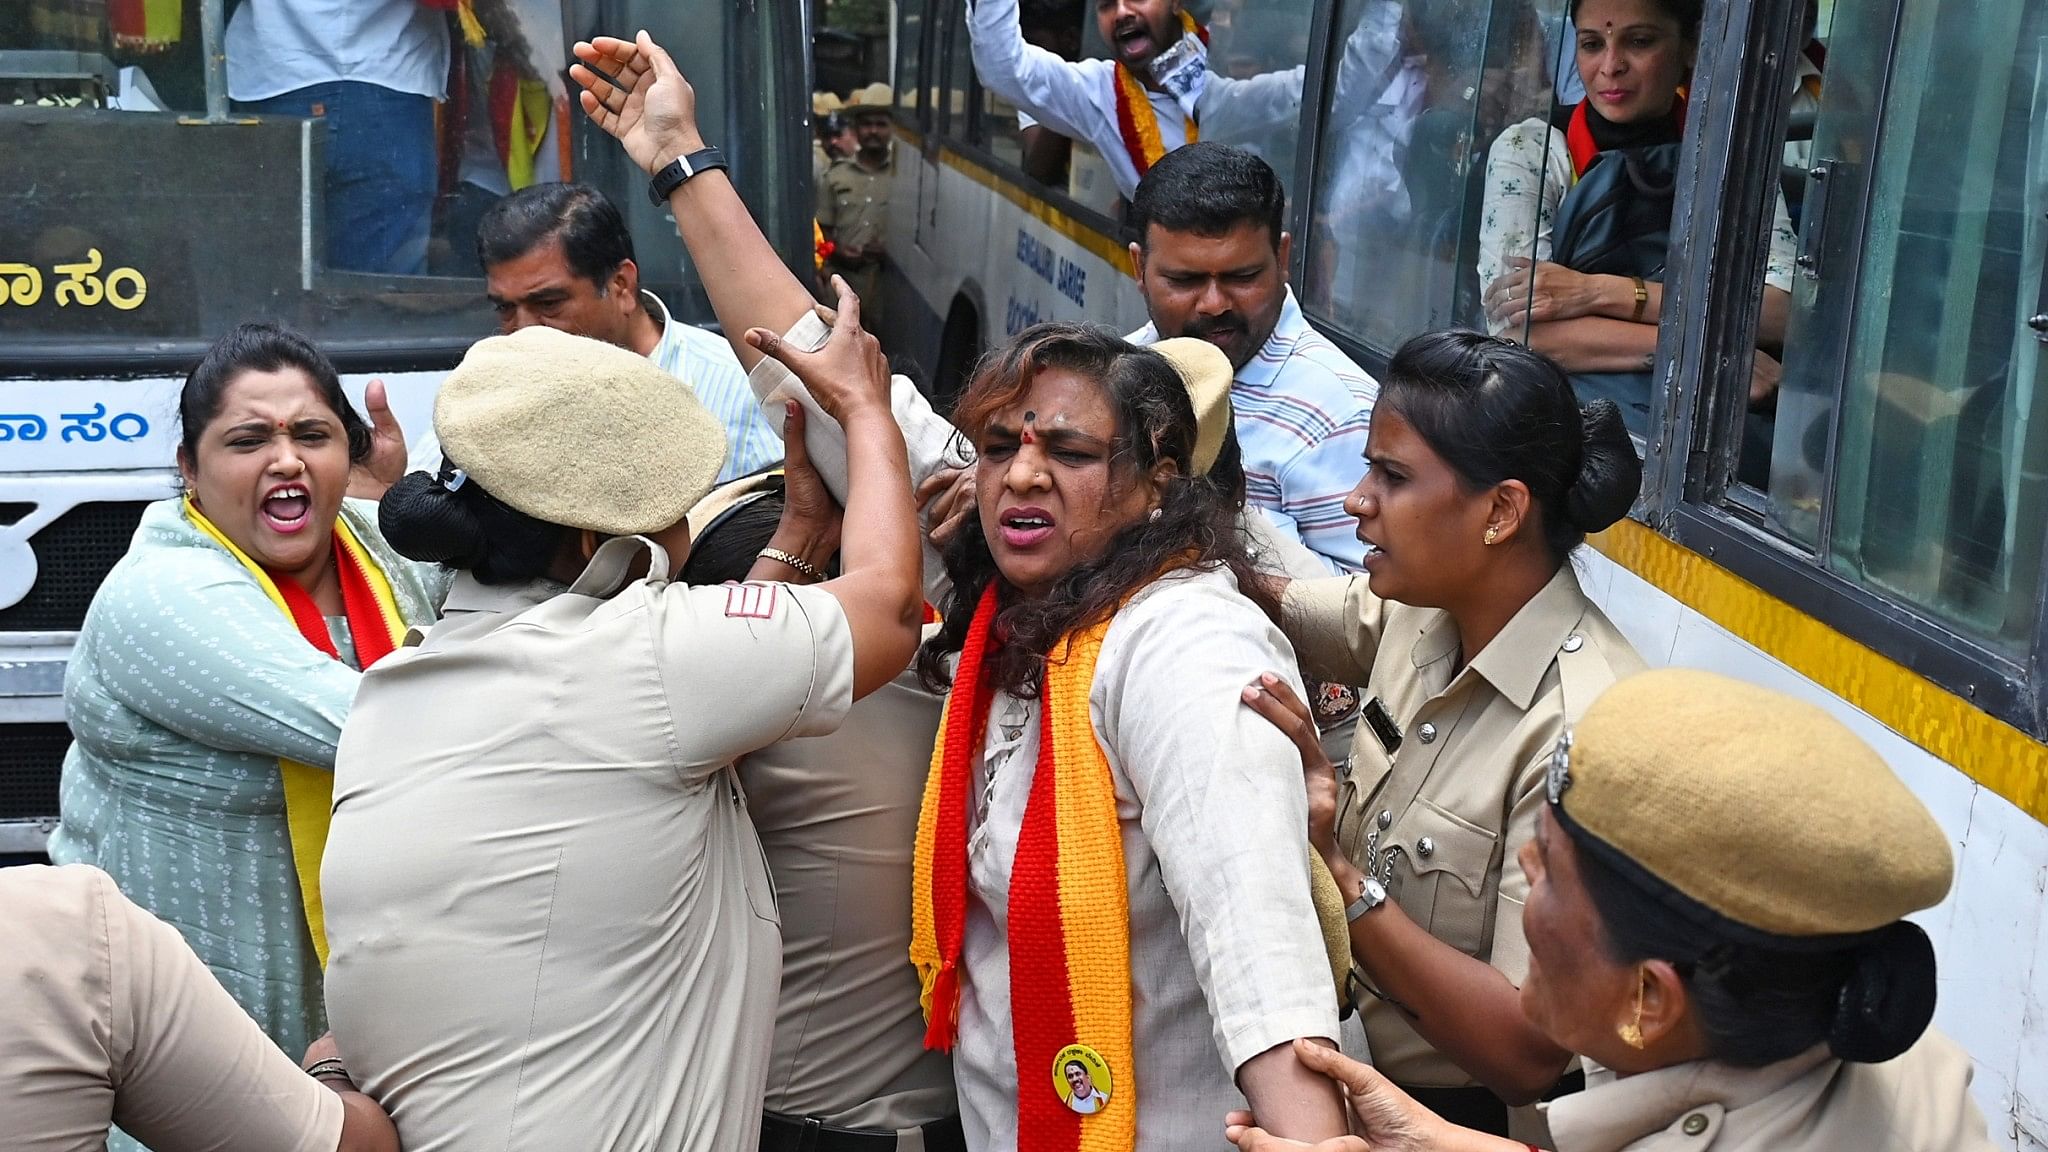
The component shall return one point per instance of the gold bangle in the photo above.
(1642, 299)
(794, 561)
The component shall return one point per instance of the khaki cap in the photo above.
(577, 432)
(825, 103)
(1329, 901)
(1207, 372)
(876, 97)
(1764, 809)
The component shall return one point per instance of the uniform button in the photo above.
(1695, 1123)
(1428, 733)
(1574, 642)
(1425, 847)
(1385, 821)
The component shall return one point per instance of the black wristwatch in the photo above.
(680, 169)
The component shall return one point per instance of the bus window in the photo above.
(1910, 449)
(1260, 49)
(1398, 242)
(908, 82)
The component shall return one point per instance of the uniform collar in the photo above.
(1614, 1113)
(603, 576)
(1272, 355)
(1515, 661)
(468, 594)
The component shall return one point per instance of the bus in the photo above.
(143, 212)
(1868, 536)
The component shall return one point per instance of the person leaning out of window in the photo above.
(1476, 646)
(1716, 893)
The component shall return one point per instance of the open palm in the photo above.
(633, 90)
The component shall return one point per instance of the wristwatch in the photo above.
(680, 169)
(1373, 895)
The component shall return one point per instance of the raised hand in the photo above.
(846, 376)
(386, 462)
(633, 90)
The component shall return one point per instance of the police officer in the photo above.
(853, 199)
(1475, 645)
(1715, 918)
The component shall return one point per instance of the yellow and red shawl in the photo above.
(1069, 909)
(1136, 120)
(377, 628)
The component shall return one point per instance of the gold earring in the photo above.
(1632, 1032)
(1492, 533)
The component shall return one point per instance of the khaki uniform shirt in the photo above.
(1227, 958)
(1455, 796)
(1813, 1102)
(853, 203)
(110, 1016)
(552, 926)
(837, 816)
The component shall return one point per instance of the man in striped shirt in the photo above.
(560, 255)
(1211, 259)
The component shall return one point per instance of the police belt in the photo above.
(780, 1133)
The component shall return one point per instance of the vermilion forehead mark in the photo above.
(1028, 435)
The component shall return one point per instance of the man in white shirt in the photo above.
(559, 255)
(1211, 259)
(374, 70)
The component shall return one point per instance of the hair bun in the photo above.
(1610, 472)
(1887, 1002)
(422, 520)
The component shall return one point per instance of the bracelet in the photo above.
(794, 561)
(328, 1067)
(1642, 299)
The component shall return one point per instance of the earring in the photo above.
(1156, 514)
(1632, 1032)
(1492, 533)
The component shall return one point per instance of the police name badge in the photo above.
(1081, 1077)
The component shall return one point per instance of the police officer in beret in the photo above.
(1718, 886)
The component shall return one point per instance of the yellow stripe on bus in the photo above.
(1984, 748)
(1107, 249)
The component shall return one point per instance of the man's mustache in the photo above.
(1203, 327)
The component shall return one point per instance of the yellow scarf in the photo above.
(1135, 119)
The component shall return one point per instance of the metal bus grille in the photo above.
(73, 555)
(31, 758)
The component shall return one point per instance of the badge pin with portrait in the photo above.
(1081, 1077)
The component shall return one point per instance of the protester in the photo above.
(1576, 219)
(1196, 980)
(373, 70)
(853, 199)
(217, 664)
(559, 255)
(109, 1013)
(559, 748)
(1477, 645)
(1717, 885)
(837, 816)
(1149, 99)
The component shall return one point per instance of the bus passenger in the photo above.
(1211, 260)
(837, 816)
(1149, 99)
(217, 664)
(559, 255)
(853, 200)
(1476, 647)
(550, 913)
(1717, 886)
(1576, 218)
(1093, 528)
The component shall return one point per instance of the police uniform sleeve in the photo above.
(748, 665)
(190, 1069)
(1335, 626)
(828, 215)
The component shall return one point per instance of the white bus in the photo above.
(141, 214)
(1878, 545)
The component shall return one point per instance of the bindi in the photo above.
(1030, 428)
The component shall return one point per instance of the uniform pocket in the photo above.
(1453, 859)
(1357, 790)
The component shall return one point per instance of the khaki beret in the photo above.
(1763, 809)
(876, 97)
(1329, 901)
(577, 432)
(1207, 372)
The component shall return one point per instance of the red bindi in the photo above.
(1029, 434)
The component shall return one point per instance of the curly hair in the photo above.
(1197, 525)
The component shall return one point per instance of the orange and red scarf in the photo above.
(1135, 118)
(1584, 149)
(1069, 908)
(377, 628)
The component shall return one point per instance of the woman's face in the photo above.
(1632, 58)
(1574, 993)
(270, 469)
(1047, 491)
(1424, 531)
